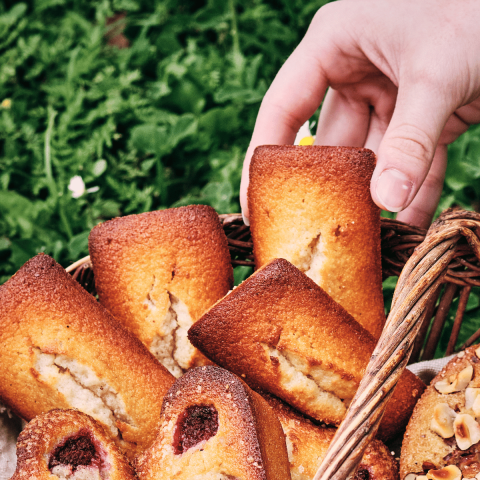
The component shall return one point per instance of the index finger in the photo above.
(294, 95)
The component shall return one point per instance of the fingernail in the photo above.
(393, 189)
(246, 221)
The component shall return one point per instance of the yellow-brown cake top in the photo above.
(280, 313)
(312, 206)
(45, 314)
(180, 251)
(242, 439)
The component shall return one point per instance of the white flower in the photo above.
(77, 186)
(304, 137)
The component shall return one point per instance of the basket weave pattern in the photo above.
(399, 241)
(417, 286)
(447, 258)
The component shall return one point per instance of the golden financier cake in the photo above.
(158, 272)
(307, 445)
(443, 435)
(67, 444)
(62, 349)
(312, 206)
(213, 427)
(283, 334)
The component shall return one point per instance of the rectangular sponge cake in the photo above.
(283, 334)
(158, 272)
(312, 206)
(62, 349)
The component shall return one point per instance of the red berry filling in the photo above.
(75, 451)
(196, 424)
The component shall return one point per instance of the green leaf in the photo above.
(241, 273)
(15, 205)
(5, 244)
(150, 139)
(13, 15)
(78, 245)
(99, 167)
(23, 250)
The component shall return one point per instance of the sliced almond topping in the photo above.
(410, 476)
(442, 421)
(477, 352)
(455, 383)
(467, 431)
(447, 473)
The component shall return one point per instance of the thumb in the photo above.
(406, 151)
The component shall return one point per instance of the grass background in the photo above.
(163, 123)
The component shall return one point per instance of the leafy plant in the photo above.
(164, 122)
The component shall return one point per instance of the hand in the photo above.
(404, 78)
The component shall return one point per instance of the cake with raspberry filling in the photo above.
(213, 427)
(69, 445)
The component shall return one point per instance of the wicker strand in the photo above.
(416, 287)
(439, 321)
(425, 323)
(462, 305)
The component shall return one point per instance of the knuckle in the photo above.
(413, 142)
(283, 115)
(325, 15)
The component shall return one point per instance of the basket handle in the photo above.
(416, 287)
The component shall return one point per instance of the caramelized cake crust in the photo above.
(158, 272)
(212, 426)
(307, 445)
(443, 433)
(312, 206)
(283, 334)
(69, 445)
(62, 349)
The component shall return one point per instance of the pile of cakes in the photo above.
(172, 374)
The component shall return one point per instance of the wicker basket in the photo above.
(434, 268)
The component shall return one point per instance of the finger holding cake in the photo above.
(67, 444)
(283, 334)
(158, 272)
(312, 206)
(62, 349)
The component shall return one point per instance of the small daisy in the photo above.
(77, 187)
(304, 136)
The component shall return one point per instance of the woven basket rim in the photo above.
(448, 253)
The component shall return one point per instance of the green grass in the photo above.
(163, 123)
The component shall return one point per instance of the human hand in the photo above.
(404, 80)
